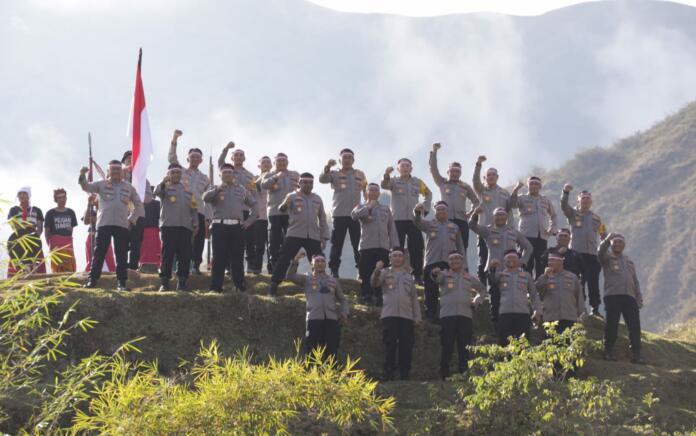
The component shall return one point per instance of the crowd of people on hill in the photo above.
(275, 214)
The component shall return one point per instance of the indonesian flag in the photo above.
(139, 134)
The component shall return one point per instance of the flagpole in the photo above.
(90, 203)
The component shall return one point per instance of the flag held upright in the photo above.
(139, 134)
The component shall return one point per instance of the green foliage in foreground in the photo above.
(535, 388)
(235, 396)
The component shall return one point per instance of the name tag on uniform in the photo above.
(172, 199)
(578, 223)
(505, 284)
(552, 286)
(299, 208)
(615, 267)
(529, 209)
(343, 186)
(391, 286)
(433, 234)
(447, 190)
(400, 190)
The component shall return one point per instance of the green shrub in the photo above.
(527, 388)
(233, 396)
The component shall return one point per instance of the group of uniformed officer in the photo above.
(527, 281)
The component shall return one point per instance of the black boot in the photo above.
(609, 355)
(637, 358)
(242, 287)
(122, 286)
(181, 284)
(273, 290)
(164, 284)
(91, 284)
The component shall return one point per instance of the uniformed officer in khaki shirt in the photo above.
(349, 187)
(113, 220)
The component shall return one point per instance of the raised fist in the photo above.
(389, 170)
(177, 133)
(478, 210)
(481, 159)
(300, 255)
(419, 208)
(437, 146)
(548, 271)
(567, 187)
(379, 265)
(435, 271)
(331, 162)
(83, 171)
(229, 145)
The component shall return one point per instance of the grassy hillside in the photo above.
(643, 187)
(175, 323)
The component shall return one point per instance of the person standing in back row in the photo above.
(349, 187)
(455, 193)
(279, 182)
(586, 227)
(491, 197)
(537, 223)
(198, 183)
(405, 192)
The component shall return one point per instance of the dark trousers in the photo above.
(135, 240)
(260, 228)
(590, 276)
(277, 227)
(341, 226)
(368, 259)
(198, 242)
(290, 248)
(398, 337)
(513, 324)
(464, 230)
(228, 249)
(432, 290)
(249, 243)
(323, 333)
(121, 241)
(455, 330)
(494, 292)
(615, 306)
(176, 242)
(483, 260)
(535, 265)
(563, 325)
(407, 228)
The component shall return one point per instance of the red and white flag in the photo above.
(139, 134)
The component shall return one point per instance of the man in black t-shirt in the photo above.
(27, 223)
(59, 225)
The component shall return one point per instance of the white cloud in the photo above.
(463, 86)
(650, 74)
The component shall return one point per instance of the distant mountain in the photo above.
(644, 187)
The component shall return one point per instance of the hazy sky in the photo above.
(427, 8)
(285, 75)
